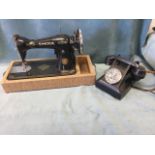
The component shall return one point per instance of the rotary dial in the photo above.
(113, 76)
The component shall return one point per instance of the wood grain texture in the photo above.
(85, 75)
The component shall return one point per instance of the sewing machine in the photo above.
(66, 69)
(64, 46)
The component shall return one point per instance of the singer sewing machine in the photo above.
(64, 46)
(66, 69)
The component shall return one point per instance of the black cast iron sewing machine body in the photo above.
(64, 46)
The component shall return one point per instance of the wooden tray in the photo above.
(85, 75)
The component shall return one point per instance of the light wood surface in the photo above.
(85, 75)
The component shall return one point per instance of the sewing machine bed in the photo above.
(76, 110)
(43, 75)
(38, 69)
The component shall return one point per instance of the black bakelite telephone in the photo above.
(118, 79)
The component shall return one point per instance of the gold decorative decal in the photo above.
(43, 67)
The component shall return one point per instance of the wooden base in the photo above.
(85, 75)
